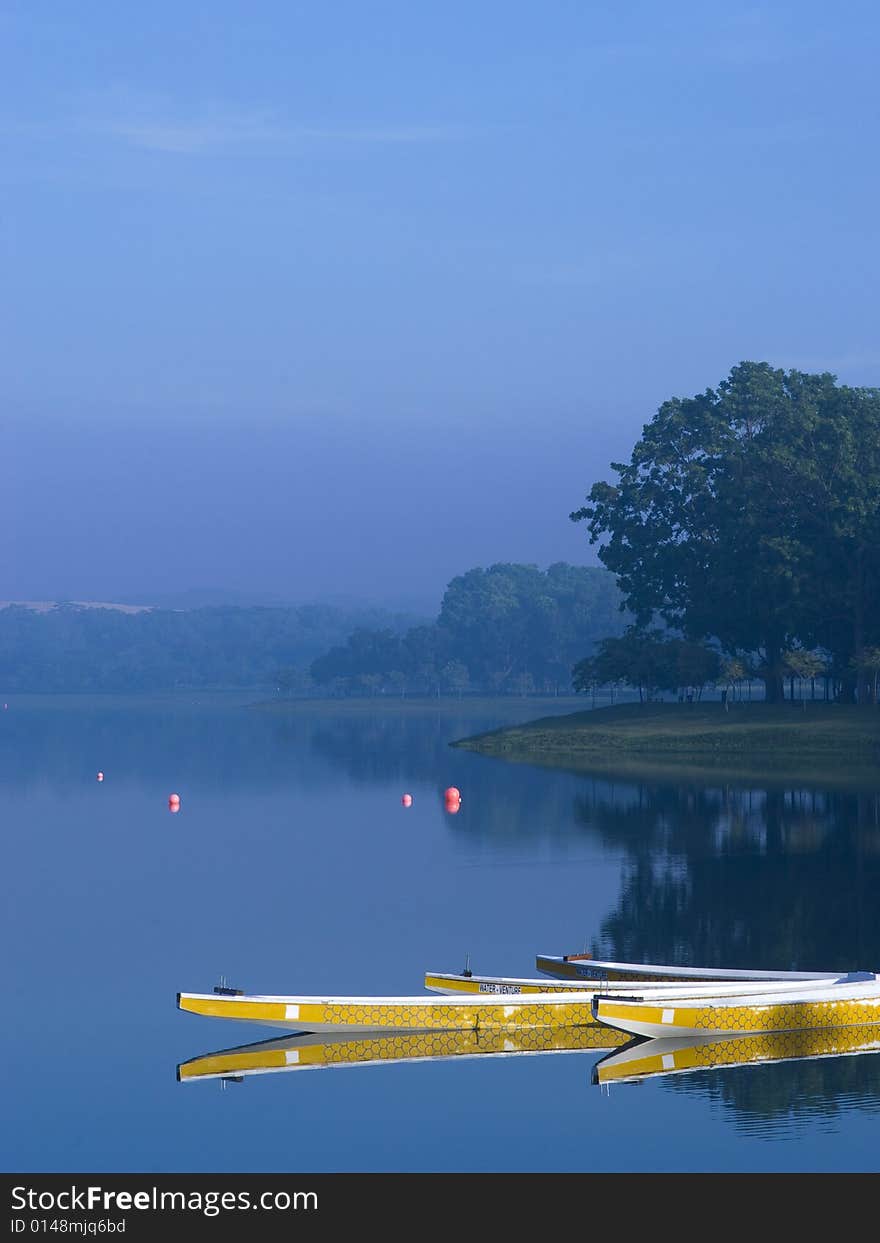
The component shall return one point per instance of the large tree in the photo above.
(841, 535)
(741, 516)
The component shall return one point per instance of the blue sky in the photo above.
(339, 298)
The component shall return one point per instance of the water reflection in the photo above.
(793, 1080)
(763, 877)
(643, 1059)
(306, 1051)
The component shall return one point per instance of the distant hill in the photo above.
(45, 606)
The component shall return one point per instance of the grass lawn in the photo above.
(797, 729)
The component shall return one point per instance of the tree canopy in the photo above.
(505, 628)
(748, 516)
(650, 661)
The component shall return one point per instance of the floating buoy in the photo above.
(407, 800)
(174, 801)
(453, 792)
(173, 806)
(100, 776)
(453, 806)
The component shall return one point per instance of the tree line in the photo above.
(71, 648)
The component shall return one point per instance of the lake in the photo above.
(292, 867)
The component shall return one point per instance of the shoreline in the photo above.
(668, 731)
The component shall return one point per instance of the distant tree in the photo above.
(868, 665)
(799, 663)
(733, 673)
(398, 680)
(650, 662)
(292, 681)
(693, 664)
(365, 653)
(634, 658)
(454, 675)
(428, 677)
(524, 683)
(498, 624)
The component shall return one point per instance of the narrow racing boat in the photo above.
(452, 983)
(498, 985)
(852, 1000)
(585, 967)
(370, 1014)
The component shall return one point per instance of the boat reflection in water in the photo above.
(643, 1059)
(311, 1051)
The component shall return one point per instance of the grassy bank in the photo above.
(514, 706)
(691, 732)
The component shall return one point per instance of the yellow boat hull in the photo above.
(843, 1004)
(497, 986)
(370, 1014)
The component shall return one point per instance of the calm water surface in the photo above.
(292, 867)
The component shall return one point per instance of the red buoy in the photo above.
(453, 806)
(100, 776)
(407, 800)
(174, 801)
(453, 792)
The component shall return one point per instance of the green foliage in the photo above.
(649, 661)
(509, 628)
(749, 515)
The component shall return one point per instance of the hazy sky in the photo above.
(345, 298)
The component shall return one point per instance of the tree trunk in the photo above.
(774, 689)
(774, 685)
(862, 681)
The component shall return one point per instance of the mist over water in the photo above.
(289, 510)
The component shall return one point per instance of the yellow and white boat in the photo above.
(584, 967)
(852, 1000)
(449, 983)
(312, 1052)
(452, 983)
(642, 1059)
(371, 1014)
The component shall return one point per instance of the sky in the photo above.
(338, 300)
